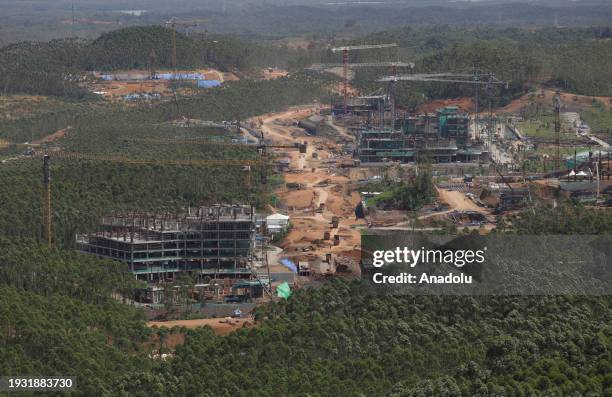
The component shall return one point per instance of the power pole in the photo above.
(47, 193)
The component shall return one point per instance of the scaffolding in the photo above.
(214, 242)
(443, 137)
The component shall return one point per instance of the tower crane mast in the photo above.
(345, 63)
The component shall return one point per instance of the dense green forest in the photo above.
(336, 340)
(58, 317)
(84, 191)
(340, 341)
(565, 219)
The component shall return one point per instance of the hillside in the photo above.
(53, 68)
(86, 190)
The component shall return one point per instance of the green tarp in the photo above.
(283, 291)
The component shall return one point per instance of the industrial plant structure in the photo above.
(443, 137)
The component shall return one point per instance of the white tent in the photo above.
(277, 222)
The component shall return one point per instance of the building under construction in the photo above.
(442, 137)
(208, 243)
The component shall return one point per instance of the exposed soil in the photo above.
(459, 202)
(323, 192)
(568, 100)
(220, 326)
(52, 137)
(267, 74)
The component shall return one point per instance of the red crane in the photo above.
(345, 63)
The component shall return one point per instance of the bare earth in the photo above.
(218, 325)
(321, 184)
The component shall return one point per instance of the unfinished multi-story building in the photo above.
(443, 137)
(208, 242)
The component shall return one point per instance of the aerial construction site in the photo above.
(306, 198)
(337, 163)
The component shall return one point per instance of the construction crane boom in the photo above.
(129, 160)
(300, 147)
(476, 79)
(172, 23)
(363, 47)
(345, 63)
(321, 66)
(443, 78)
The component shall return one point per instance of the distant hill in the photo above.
(49, 68)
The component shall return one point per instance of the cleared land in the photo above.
(322, 183)
(220, 326)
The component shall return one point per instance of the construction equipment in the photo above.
(345, 63)
(152, 62)
(172, 23)
(392, 65)
(187, 141)
(260, 146)
(501, 175)
(476, 79)
(323, 66)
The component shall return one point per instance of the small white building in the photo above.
(276, 223)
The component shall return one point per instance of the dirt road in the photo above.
(459, 202)
(322, 195)
(52, 137)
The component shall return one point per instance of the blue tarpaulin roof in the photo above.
(208, 83)
(289, 265)
(179, 76)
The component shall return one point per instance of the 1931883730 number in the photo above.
(8, 383)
